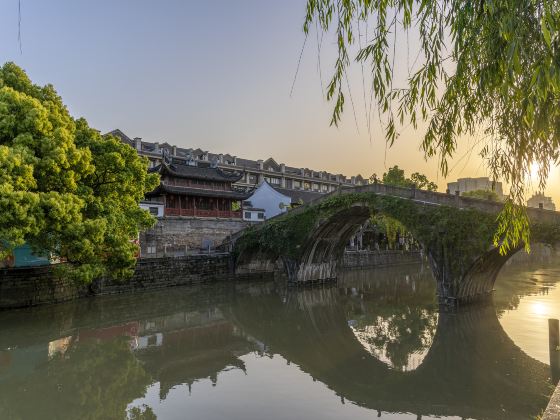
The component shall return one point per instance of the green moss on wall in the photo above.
(465, 234)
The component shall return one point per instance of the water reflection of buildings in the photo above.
(174, 349)
(453, 365)
(193, 346)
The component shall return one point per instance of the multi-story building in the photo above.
(539, 200)
(196, 190)
(298, 183)
(463, 185)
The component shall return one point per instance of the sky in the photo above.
(219, 75)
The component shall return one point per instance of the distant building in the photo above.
(252, 213)
(23, 256)
(254, 172)
(463, 185)
(539, 200)
(270, 201)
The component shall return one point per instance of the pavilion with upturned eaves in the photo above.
(189, 188)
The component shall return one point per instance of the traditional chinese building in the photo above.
(190, 188)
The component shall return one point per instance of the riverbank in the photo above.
(33, 286)
(553, 409)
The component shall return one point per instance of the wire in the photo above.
(319, 44)
(298, 63)
(19, 27)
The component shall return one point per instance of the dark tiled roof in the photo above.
(198, 192)
(246, 163)
(118, 133)
(243, 163)
(291, 170)
(197, 172)
(296, 195)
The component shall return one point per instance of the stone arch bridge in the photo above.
(456, 233)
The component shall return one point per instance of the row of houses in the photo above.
(253, 172)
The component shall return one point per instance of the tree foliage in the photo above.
(395, 176)
(65, 189)
(482, 194)
(489, 65)
(91, 381)
(388, 226)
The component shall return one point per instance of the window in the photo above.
(260, 215)
(289, 183)
(325, 188)
(247, 215)
(272, 181)
(315, 187)
(150, 249)
(306, 186)
(297, 185)
(171, 202)
(205, 203)
(154, 211)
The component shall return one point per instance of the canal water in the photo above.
(372, 346)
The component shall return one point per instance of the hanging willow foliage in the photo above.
(484, 64)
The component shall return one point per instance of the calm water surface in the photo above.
(372, 346)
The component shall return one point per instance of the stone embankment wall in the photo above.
(176, 236)
(553, 409)
(363, 259)
(21, 287)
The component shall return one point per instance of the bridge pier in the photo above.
(465, 279)
(310, 273)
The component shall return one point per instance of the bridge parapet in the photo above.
(442, 199)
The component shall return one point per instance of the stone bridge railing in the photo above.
(443, 199)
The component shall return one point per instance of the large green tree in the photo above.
(65, 189)
(483, 65)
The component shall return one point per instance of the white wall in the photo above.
(147, 206)
(267, 198)
(253, 215)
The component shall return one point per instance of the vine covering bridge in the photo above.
(456, 233)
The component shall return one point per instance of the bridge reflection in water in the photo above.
(375, 340)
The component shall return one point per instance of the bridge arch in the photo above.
(455, 233)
